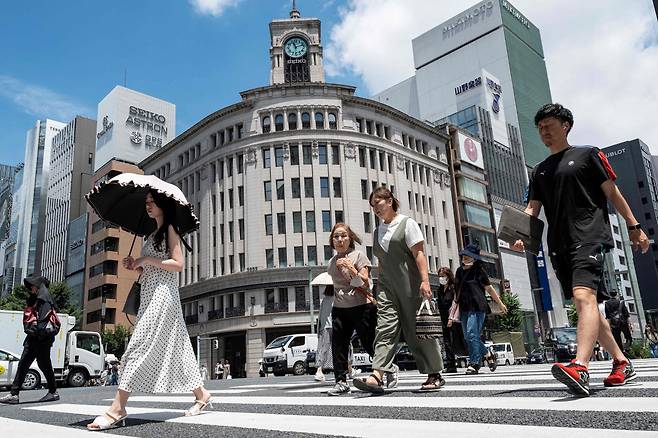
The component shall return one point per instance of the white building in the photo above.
(271, 174)
(132, 125)
(71, 165)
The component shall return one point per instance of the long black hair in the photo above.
(168, 207)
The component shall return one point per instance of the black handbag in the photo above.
(133, 300)
(428, 321)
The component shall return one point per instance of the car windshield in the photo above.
(279, 342)
(565, 336)
(499, 347)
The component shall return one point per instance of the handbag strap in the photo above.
(426, 304)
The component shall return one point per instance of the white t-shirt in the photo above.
(412, 233)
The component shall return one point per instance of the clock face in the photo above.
(295, 47)
(471, 150)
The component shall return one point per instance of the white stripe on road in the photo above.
(15, 428)
(231, 391)
(494, 377)
(273, 385)
(566, 403)
(348, 426)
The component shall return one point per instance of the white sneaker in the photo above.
(392, 378)
(319, 377)
(355, 372)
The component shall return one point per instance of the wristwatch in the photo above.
(634, 227)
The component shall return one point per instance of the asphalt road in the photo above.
(517, 401)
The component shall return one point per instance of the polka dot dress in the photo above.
(159, 357)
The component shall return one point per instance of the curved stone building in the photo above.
(271, 174)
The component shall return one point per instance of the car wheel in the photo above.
(32, 380)
(77, 378)
(299, 369)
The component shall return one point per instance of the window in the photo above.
(241, 261)
(390, 163)
(322, 154)
(230, 198)
(267, 189)
(328, 253)
(324, 186)
(230, 231)
(312, 255)
(269, 258)
(307, 153)
(372, 153)
(338, 215)
(618, 244)
(214, 236)
(283, 258)
(278, 156)
(367, 225)
(369, 254)
(268, 224)
(615, 229)
(229, 167)
(364, 189)
(239, 163)
(332, 121)
(631, 307)
(362, 157)
(281, 223)
(221, 234)
(306, 120)
(292, 121)
(267, 125)
(335, 154)
(382, 161)
(241, 196)
(484, 239)
(477, 215)
(308, 187)
(310, 221)
(319, 121)
(241, 229)
(622, 260)
(267, 160)
(280, 189)
(278, 122)
(297, 222)
(628, 292)
(337, 188)
(296, 190)
(294, 155)
(326, 221)
(299, 255)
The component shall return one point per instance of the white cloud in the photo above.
(41, 102)
(213, 7)
(602, 57)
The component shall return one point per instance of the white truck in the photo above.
(76, 356)
(287, 354)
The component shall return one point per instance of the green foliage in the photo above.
(639, 350)
(512, 320)
(572, 315)
(114, 340)
(60, 292)
(16, 300)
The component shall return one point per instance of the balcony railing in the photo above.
(276, 307)
(191, 319)
(215, 314)
(234, 311)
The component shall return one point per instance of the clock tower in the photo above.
(295, 50)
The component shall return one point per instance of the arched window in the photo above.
(332, 121)
(267, 127)
(278, 122)
(292, 121)
(319, 121)
(306, 120)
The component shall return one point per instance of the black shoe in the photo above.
(51, 396)
(492, 361)
(9, 399)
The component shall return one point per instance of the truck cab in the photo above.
(287, 354)
(85, 357)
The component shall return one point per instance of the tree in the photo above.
(16, 300)
(572, 315)
(114, 340)
(512, 320)
(60, 292)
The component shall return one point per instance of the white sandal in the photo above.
(107, 421)
(198, 407)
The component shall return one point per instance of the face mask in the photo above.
(468, 263)
(443, 280)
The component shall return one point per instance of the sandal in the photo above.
(434, 382)
(106, 421)
(198, 407)
(363, 385)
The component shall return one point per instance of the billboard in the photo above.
(132, 126)
(470, 150)
(76, 245)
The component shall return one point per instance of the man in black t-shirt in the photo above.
(617, 315)
(574, 185)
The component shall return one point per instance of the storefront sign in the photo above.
(468, 17)
(106, 127)
(615, 153)
(516, 14)
(146, 119)
(466, 86)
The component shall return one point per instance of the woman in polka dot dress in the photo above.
(159, 357)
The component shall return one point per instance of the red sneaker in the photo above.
(574, 375)
(622, 372)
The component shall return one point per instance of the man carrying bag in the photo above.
(41, 326)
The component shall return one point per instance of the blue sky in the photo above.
(61, 58)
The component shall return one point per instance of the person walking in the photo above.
(204, 372)
(353, 304)
(574, 185)
(652, 339)
(226, 370)
(618, 317)
(453, 338)
(159, 356)
(323, 355)
(38, 342)
(218, 370)
(472, 283)
(403, 285)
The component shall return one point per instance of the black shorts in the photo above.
(581, 266)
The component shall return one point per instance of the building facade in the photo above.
(636, 179)
(9, 245)
(7, 178)
(270, 175)
(71, 167)
(106, 281)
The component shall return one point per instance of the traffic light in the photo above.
(215, 344)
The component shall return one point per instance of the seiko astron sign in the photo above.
(133, 126)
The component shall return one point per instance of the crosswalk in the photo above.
(515, 401)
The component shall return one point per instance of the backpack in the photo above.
(616, 317)
(31, 323)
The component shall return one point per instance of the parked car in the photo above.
(504, 353)
(537, 356)
(560, 344)
(9, 367)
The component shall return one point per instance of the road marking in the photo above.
(494, 377)
(14, 428)
(231, 391)
(346, 426)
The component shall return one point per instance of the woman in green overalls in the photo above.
(403, 283)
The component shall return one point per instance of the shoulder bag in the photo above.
(133, 300)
